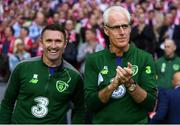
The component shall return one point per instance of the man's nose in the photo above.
(121, 30)
(53, 44)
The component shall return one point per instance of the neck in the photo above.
(92, 43)
(51, 63)
(170, 56)
(19, 51)
(23, 37)
(118, 51)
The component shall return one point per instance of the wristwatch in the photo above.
(132, 87)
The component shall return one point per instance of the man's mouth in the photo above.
(52, 51)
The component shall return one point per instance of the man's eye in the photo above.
(116, 27)
(125, 26)
(48, 41)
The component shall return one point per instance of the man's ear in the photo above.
(40, 41)
(130, 30)
(106, 31)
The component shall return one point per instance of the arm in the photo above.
(105, 94)
(7, 104)
(123, 75)
(92, 100)
(81, 53)
(162, 108)
(78, 101)
(11, 65)
(145, 91)
(147, 82)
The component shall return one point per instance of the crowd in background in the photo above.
(22, 21)
(153, 23)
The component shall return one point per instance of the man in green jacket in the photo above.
(120, 85)
(40, 89)
(167, 65)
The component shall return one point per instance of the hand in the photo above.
(124, 74)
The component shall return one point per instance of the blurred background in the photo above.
(21, 22)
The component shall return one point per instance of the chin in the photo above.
(54, 57)
(122, 44)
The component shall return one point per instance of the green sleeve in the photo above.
(78, 101)
(7, 104)
(92, 100)
(148, 82)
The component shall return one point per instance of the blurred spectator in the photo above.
(37, 25)
(175, 10)
(167, 65)
(168, 111)
(143, 35)
(70, 52)
(27, 41)
(89, 46)
(8, 43)
(130, 5)
(156, 115)
(37, 49)
(7, 47)
(3, 57)
(103, 5)
(2, 35)
(17, 26)
(151, 18)
(18, 55)
(88, 14)
(56, 18)
(92, 23)
(171, 31)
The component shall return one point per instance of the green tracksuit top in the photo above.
(101, 68)
(165, 68)
(41, 95)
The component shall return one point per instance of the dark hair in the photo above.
(93, 30)
(12, 30)
(54, 27)
(25, 28)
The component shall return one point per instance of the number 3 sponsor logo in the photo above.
(148, 69)
(40, 110)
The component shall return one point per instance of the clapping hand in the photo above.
(123, 75)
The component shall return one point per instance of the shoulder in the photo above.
(160, 60)
(99, 47)
(27, 55)
(70, 68)
(29, 62)
(12, 56)
(174, 94)
(27, 65)
(177, 58)
(97, 54)
(141, 53)
(83, 46)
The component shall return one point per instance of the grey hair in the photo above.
(116, 8)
